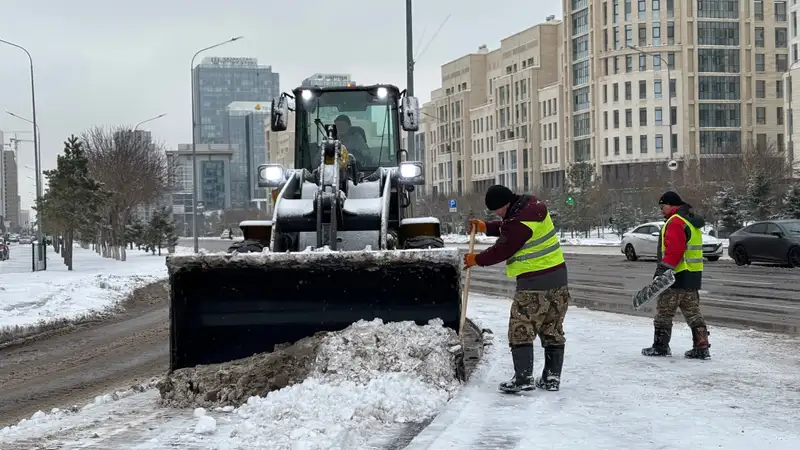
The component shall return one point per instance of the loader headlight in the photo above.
(306, 94)
(382, 92)
(270, 175)
(411, 173)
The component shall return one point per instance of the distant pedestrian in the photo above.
(680, 248)
(529, 245)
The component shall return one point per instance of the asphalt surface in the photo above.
(71, 366)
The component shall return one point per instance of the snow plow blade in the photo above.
(225, 307)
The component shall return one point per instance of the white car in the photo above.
(642, 242)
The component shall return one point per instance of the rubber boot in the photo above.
(700, 344)
(522, 355)
(551, 374)
(661, 338)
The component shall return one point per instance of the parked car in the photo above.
(25, 240)
(642, 241)
(768, 241)
(4, 253)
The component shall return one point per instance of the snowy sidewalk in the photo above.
(95, 284)
(612, 397)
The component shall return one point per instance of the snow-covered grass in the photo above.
(369, 382)
(31, 302)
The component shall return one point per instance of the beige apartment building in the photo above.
(712, 69)
(483, 123)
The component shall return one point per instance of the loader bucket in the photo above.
(231, 306)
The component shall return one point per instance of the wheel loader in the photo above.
(342, 244)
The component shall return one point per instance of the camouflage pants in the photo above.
(538, 313)
(688, 300)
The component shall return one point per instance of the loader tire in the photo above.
(422, 242)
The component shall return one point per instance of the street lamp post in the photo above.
(669, 104)
(194, 142)
(148, 120)
(35, 134)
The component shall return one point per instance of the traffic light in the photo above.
(570, 201)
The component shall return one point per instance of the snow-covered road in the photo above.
(611, 398)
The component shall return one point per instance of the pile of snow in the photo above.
(603, 241)
(96, 284)
(366, 378)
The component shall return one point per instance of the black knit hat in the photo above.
(498, 196)
(671, 198)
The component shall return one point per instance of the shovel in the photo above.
(465, 291)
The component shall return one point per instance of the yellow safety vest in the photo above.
(693, 256)
(542, 251)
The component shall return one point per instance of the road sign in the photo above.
(672, 165)
(570, 201)
(452, 205)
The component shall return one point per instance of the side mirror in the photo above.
(409, 110)
(655, 233)
(271, 175)
(410, 172)
(279, 116)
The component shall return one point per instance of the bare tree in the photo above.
(135, 172)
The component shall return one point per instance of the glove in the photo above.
(660, 269)
(469, 260)
(479, 225)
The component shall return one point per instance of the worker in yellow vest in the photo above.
(529, 245)
(680, 248)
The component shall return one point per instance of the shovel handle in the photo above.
(465, 291)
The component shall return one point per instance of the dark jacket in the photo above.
(512, 235)
(676, 238)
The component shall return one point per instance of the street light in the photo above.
(148, 120)
(669, 100)
(194, 142)
(35, 128)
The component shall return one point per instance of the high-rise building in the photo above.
(243, 129)
(672, 80)
(2, 180)
(11, 198)
(327, 80)
(219, 81)
(25, 219)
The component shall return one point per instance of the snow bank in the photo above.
(480, 238)
(367, 378)
(607, 240)
(95, 284)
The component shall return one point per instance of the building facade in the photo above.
(11, 200)
(213, 173)
(327, 80)
(625, 85)
(484, 126)
(244, 131)
(219, 81)
(792, 90)
(648, 81)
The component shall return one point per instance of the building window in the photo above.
(657, 88)
(761, 115)
(780, 11)
(616, 92)
(656, 34)
(719, 60)
(642, 117)
(628, 35)
(670, 33)
(779, 115)
(781, 63)
(715, 115)
(616, 119)
(657, 61)
(616, 146)
(628, 118)
(656, 7)
(629, 63)
(759, 37)
(760, 62)
(761, 89)
(659, 143)
(642, 9)
(671, 60)
(779, 89)
(628, 90)
(758, 10)
(781, 37)
(718, 33)
(720, 142)
(658, 118)
(642, 62)
(642, 90)
(628, 145)
(715, 9)
(643, 144)
(605, 147)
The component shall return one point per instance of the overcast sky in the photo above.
(100, 62)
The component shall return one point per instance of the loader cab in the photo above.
(368, 120)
